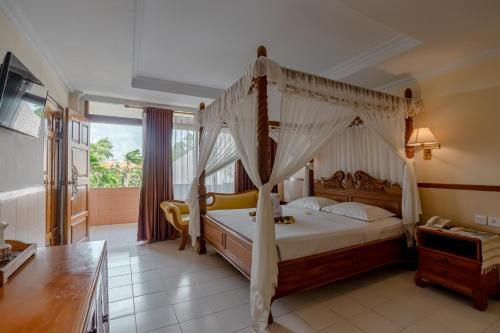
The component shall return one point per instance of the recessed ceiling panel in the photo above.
(211, 43)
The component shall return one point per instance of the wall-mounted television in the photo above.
(22, 97)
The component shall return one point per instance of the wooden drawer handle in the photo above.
(445, 273)
(445, 260)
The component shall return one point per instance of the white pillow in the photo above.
(358, 211)
(314, 203)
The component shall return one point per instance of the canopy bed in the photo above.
(308, 112)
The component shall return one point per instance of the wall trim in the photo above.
(14, 194)
(466, 187)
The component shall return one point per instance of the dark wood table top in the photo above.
(52, 291)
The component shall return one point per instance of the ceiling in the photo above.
(182, 52)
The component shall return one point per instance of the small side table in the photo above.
(453, 260)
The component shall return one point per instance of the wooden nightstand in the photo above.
(454, 261)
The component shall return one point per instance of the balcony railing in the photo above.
(113, 205)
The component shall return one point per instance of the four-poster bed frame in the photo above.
(319, 269)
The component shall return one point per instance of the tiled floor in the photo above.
(155, 288)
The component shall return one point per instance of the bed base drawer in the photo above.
(232, 246)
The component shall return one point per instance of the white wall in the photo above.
(462, 108)
(21, 156)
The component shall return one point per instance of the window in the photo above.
(115, 155)
(183, 154)
(221, 181)
(184, 146)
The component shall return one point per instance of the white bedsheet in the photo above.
(313, 232)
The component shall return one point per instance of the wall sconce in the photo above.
(423, 138)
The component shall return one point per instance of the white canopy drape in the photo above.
(211, 121)
(359, 148)
(224, 152)
(390, 127)
(313, 110)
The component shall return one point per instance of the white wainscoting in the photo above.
(24, 211)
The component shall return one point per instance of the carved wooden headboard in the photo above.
(361, 188)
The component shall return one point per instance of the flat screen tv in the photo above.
(22, 97)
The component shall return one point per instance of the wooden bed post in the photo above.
(410, 151)
(310, 174)
(201, 246)
(262, 123)
(262, 131)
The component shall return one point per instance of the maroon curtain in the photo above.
(156, 175)
(242, 182)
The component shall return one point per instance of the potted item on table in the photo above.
(13, 254)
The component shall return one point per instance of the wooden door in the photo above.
(52, 171)
(76, 161)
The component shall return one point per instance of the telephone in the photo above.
(438, 222)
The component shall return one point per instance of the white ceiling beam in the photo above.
(133, 102)
(150, 83)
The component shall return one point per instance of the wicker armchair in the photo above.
(177, 214)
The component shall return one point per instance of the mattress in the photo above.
(313, 232)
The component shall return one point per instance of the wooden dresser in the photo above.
(62, 289)
(454, 261)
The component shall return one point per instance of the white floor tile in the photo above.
(228, 299)
(236, 318)
(403, 314)
(120, 293)
(367, 297)
(123, 325)
(182, 294)
(116, 271)
(154, 319)
(294, 323)
(206, 324)
(428, 325)
(295, 302)
(121, 308)
(151, 301)
(169, 329)
(210, 296)
(181, 280)
(344, 306)
(495, 328)
(211, 274)
(192, 309)
(147, 287)
(221, 285)
(146, 276)
(119, 281)
(342, 327)
(319, 316)
(143, 266)
(370, 322)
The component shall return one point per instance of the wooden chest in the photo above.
(454, 261)
(61, 289)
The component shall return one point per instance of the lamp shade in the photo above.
(422, 136)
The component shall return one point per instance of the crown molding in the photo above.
(382, 51)
(22, 24)
(468, 61)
